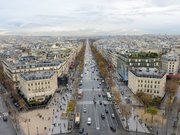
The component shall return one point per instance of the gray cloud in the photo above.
(88, 15)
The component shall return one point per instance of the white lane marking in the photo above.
(96, 119)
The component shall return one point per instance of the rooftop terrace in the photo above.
(142, 55)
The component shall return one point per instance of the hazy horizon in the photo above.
(89, 17)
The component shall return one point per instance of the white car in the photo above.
(89, 121)
(84, 110)
(112, 115)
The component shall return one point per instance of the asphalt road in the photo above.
(6, 127)
(92, 88)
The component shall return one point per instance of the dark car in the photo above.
(100, 102)
(81, 130)
(106, 110)
(102, 116)
(4, 118)
(113, 128)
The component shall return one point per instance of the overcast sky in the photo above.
(90, 16)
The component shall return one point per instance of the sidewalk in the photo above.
(48, 121)
(59, 124)
(133, 121)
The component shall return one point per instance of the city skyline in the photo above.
(70, 17)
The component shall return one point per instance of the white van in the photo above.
(89, 121)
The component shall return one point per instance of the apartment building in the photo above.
(38, 85)
(128, 60)
(14, 69)
(170, 63)
(147, 80)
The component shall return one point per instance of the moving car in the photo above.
(81, 130)
(106, 110)
(112, 115)
(4, 118)
(102, 116)
(84, 110)
(89, 121)
(113, 128)
(100, 102)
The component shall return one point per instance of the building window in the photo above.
(154, 86)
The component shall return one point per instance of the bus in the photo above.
(109, 98)
(77, 119)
